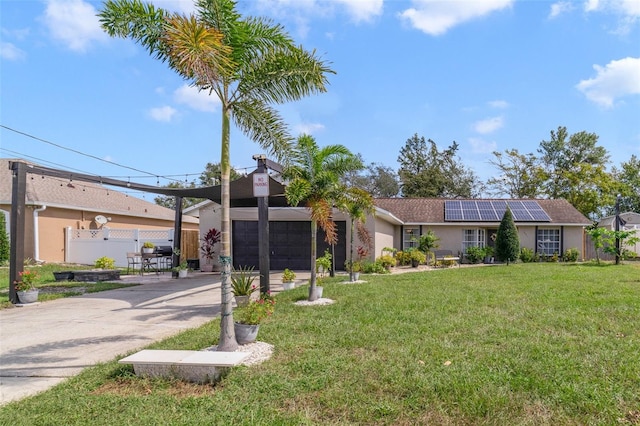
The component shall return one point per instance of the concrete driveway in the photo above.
(43, 344)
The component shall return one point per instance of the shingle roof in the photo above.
(431, 210)
(56, 192)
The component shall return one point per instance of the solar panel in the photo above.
(493, 210)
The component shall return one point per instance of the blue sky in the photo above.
(491, 75)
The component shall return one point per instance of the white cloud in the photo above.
(560, 8)
(499, 103)
(628, 12)
(436, 17)
(615, 80)
(480, 146)
(10, 52)
(199, 100)
(489, 125)
(74, 22)
(165, 113)
(362, 10)
(308, 128)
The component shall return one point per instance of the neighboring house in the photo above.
(629, 221)
(54, 204)
(545, 226)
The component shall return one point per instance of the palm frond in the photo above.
(264, 125)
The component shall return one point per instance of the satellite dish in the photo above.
(101, 220)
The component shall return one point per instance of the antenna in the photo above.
(101, 220)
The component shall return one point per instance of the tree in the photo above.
(628, 176)
(248, 63)
(507, 241)
(519, 175)
(212, 175)
(576, 171)
(357, 203)
(314, 175)
(427, 172)
(377, 179)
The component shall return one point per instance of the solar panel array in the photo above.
(493, 210)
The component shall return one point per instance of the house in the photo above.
(54, 205)
(629, 221)
(545, 226)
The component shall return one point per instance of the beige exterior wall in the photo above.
(385, 234)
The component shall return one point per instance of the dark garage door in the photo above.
(289, 245)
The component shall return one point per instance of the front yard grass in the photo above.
(524, 344)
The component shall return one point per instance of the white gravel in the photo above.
(260, 352)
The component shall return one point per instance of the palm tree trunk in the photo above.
(314, 242)
(227, 341)
(351, 275)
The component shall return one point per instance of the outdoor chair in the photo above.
(134, 261)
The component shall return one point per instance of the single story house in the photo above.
(545, 226)
(54, 205)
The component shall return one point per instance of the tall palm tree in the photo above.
(313, 176)
(249, 63)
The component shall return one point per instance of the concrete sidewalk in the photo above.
(43, 344)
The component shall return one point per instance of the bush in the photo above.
(571, 255)
(105, 262)
(376, 267)
(527, 255)
(386, 261)
(475, 254)
(417, 256)
(403, 258)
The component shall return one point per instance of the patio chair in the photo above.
(134, 261)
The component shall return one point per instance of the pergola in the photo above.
(240, 190)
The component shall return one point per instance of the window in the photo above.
(549, 241)
(472, 238)
(410, 237)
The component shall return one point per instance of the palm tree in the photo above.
(313, 176)
(357, 203)
(249, 63)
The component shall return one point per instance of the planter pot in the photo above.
(319, 292)
(28, 296)
(415, 263)
(182, 273)
(147, 250)
(242, 301)
(354, 276)
(288, 285)
(63, 276)
(246, 333)
(207, 267)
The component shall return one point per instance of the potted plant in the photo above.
(182, 269)
(247, 319)
(25, 288)
(147, 247)
(207, 247)
(287, 279)
(242, 284)
(417, 257)
(323, 263)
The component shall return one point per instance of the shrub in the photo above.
(242, 281)
(417, 256)
(324, 262)
(376, 267)
(507, 241)
(105, 262)
(403, 258)
(571, 255)
(386, 261)
(527, 255)
(475, 254)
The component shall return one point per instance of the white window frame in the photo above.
(473, 237)
(548, 241)
(410, 232)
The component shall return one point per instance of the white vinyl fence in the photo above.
(84, 246)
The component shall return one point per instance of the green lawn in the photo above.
(525, 344)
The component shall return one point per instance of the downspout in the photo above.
(36, 233)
